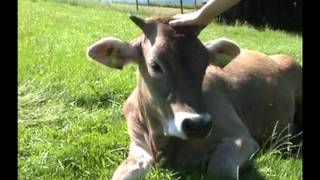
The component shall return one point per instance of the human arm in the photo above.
(205, 14)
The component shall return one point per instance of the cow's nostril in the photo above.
(197, 126)
(189, 125)
(207, 122)
(90, 53)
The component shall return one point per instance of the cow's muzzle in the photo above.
(197, 126)
(189, 125)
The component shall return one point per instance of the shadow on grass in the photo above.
(102, 101)
(251, 173)
(260, 28)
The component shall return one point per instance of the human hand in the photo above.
(194, 18)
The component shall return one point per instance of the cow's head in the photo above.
(172, 63)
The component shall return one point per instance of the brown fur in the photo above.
(246, 98)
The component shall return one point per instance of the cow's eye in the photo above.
(156, 67)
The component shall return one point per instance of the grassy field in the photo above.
(70, 122)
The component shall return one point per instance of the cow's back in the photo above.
(260, 89)
(292, 71)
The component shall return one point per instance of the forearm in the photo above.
(214, 7)
(204, 15)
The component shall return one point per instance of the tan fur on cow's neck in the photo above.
(150, 122)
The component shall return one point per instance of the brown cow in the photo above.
(188, 111)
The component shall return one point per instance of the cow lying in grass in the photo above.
(190, 111)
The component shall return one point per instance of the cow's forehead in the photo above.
(162, 28)
(167, 43)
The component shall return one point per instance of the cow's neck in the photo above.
(148, 107)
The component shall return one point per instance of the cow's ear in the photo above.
(114, 53)
(222, 51)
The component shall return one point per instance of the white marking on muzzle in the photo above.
(174, 125)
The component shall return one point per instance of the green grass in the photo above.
(70, 122)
